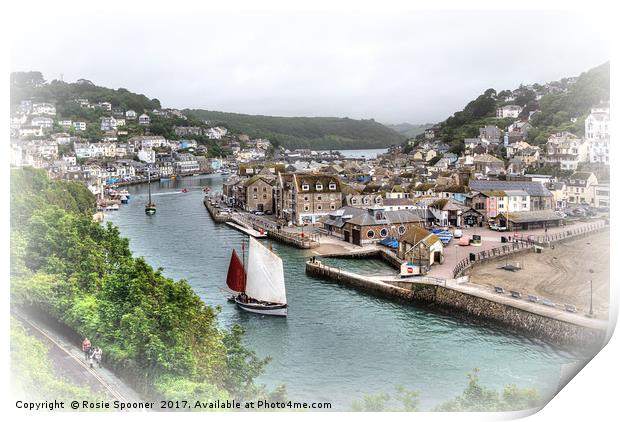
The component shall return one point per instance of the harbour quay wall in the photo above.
(215, 214)
(389, 257)
(443, 298)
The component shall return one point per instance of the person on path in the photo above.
(97, 355)
(86, 347)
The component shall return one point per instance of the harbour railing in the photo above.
(521, 244)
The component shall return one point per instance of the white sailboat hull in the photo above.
(264, 309)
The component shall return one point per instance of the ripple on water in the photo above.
(337, 343)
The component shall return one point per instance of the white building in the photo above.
(566, 150)
(30, 131)
(79, 126)
(43, 122)
(130, 115)
(44, 108)
(511, 110)
(108, 123)
(66, 123)
(144, 119)
(146, 155)
(597, 133)
(106, 105)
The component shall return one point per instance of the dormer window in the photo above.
(332, 186)
(305, 187)
(319, 186)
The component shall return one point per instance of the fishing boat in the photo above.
(150, 209)
(184, 190)
(124, 199)
(259, 287)
(124, 192)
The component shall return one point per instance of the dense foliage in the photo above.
(82, 273)
(306, 132)
(475, 398)
(32, 86)
(557, 110)
(32, 373)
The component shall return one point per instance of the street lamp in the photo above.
(590, 314)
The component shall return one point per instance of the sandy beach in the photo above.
(561, 274)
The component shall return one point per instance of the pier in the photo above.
(248, 231)
(474, 303)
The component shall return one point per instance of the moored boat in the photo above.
(261, 288)
(124, 199)
(150, 208)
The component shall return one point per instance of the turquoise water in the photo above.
(336, 344)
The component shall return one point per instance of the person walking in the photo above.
(97, 356)
(86, 347)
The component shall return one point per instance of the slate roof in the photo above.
(532, 188)
(531, 216)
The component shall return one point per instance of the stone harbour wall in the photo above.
(460, 304)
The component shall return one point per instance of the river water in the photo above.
(337, 343)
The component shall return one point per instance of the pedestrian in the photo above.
(97, 355)
(86, 347)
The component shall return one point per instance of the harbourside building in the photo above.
(303, 199)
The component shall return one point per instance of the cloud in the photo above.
(391, 66)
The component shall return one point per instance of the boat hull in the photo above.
(150, 211)
(264, 309)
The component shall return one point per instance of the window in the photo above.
(255, 189)
(319, 207)
(354, 201)
(383, 232)
(306, 198)
(264, 189)
(255, 196)
(264, 196)
(306, 208)
(319, 186)
(305, 187)
(332, 186)
(370, 234)
(402, 230)
(318, 198)
(332, 206)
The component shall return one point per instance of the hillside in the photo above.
(306, 132)
(410, 130)
(557, 106)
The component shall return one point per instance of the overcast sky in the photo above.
(395, 67)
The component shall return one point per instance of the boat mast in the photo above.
(149, 173)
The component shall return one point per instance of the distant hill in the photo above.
(410, 130)
(306, 132)
(556, 106)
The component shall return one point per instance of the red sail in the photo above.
(236, 274)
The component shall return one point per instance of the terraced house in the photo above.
(305, 198)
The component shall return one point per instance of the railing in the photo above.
(522, 244)
(305, 240)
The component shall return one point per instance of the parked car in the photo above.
(258, 212)
(268, 212)
(458, 233)
(502, 228)
(493, 227)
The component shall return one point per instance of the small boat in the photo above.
(124, 192)
(261, 288)
(184, 190)
(124, 199)
(149, 208)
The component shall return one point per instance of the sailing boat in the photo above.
(260, 289)
(150, 209)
